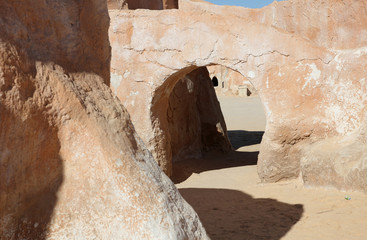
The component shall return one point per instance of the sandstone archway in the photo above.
(188, 117)
(300, 82)
(272, 65)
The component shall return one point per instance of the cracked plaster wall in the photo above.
(309, 92)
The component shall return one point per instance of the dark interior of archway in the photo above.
(198, 133)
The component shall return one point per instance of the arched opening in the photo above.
(193, 132)
(190, 128)
(242, 110)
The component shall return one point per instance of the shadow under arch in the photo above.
(162, 147)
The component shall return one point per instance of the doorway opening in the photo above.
(242, 109)
(202, 104)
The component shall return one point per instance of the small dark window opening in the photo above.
(215, 81)
(248, 92)
(222, 84)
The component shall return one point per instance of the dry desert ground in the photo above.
(232, 203)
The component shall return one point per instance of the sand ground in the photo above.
(232, 203)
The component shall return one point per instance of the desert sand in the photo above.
(232, 203)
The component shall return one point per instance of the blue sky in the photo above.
(243, 3)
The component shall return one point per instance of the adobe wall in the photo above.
(310, 92)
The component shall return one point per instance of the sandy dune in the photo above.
(232, 203)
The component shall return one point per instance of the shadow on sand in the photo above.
(231, 214)
(213, 160)
(241, 138)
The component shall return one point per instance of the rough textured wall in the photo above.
(335, 24)
(231, 83)
(71, 163)
(195, 120)
(310, 92)
(142, 4)
(81, 33)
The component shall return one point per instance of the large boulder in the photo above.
(71, 163)
(190, 120)
(194, 118)
(310, 90)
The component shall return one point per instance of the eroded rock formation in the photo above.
(195, 120)
(312, 83)
(189, 117)
(71, 163)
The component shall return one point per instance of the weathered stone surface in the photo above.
(231, 83)
(71, 163)
(310, 90)
(195, 120)
(142, 4)
(333, 24)
(189, 117)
